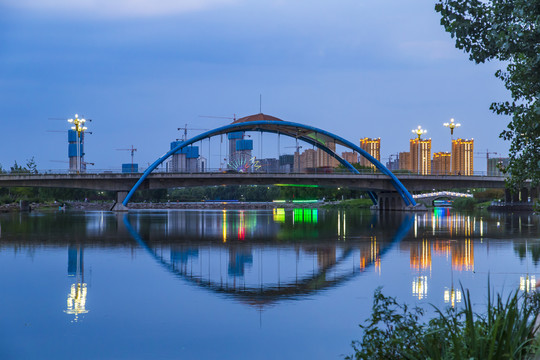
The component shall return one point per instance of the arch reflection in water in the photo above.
(239, 257)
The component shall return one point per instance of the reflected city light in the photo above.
(241, 227)
(452, 296)
(305, 216)
(76, 301)
(420, 256)
(463, 255)
(224, 226)
(420, 287)
(527, 283)
(279, 215)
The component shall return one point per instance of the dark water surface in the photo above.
(281, 284)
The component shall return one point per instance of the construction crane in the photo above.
(487, 153)
(185, 128)
(233, 118)
(298, 147)
(132, 154)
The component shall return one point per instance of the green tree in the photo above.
(17, 169)
(508, 31)
(31, 166)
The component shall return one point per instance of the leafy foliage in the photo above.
(505, 331)
(508, 31)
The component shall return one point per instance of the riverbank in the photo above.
(106, 206)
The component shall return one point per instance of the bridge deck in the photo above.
(124, 182)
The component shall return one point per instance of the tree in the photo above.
(17, 169)
(509, 31)
(31, 166)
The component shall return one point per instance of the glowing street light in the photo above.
(452, 125)
(419, 131)
(78, 126)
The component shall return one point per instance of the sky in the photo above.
(140, 69)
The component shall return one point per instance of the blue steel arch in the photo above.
(302, 132)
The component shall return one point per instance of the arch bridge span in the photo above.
(314, 136)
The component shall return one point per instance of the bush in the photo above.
(464, 204)
(505, 331)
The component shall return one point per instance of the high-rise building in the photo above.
(270, 165)
(393, 162)
(350, 156)
(326, 160)
(185, 159)
(495, 166)
(405, 161)
(420, 156)
(441, 163)
(305, 161)
(463, 157)
(373, 148)
(286, 163)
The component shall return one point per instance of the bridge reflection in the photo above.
(256, 271)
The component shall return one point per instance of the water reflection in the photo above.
(76, 300)
(252, 268)
(263, 257)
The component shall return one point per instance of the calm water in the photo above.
(282, 284)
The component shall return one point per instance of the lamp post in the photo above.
(78, 126)
(452, 125)
(419, 132)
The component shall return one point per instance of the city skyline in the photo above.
(142, 73)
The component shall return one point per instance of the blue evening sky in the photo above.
(141, 69)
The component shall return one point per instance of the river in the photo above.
(232, 284)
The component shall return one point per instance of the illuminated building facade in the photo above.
(405, 161)
(441, 164)
(463, 157)
(420, 156)
(373, 148)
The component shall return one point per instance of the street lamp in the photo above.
(78, 126)
(452, 125)
(419, 132)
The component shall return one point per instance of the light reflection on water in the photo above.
(290, 266)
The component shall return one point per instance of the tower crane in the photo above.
(185, 128)
(487, 153)
(132, 155)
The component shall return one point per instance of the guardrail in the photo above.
(325, 171)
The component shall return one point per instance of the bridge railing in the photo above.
(324, 170)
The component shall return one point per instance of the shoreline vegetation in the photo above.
(506, 329)
(466, 204)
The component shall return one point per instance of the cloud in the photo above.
(118, 8)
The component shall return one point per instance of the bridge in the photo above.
(122, 183)
(161, 180)
(387, 190)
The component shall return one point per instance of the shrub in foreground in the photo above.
(506, 330)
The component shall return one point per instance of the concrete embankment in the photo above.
(105, 206)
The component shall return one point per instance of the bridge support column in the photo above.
(390, 201)
(118, 206)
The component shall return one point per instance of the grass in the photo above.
(505, 330)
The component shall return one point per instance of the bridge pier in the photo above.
(118, 206)
(391, 201)
(520, 196)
